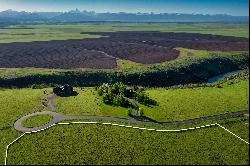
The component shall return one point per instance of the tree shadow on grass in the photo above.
(151, 103)
(68, 95)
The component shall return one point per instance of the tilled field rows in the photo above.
(141, 47)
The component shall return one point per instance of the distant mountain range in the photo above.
(11, 16)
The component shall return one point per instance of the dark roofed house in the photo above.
(64, 90)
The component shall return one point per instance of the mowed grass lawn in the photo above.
(96, 144)
(174, 104)
(93, 144)
(37, 120)
(13, 105)
(87, 102)
(181, 104)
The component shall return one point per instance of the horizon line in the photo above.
(150, 12)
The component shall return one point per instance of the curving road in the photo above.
(58, 117)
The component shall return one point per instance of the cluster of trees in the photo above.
(119, 94)
(114, 94)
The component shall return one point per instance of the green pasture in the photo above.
(189, 103)
(241, 129)
(94, 144)
(134, 146)
(173, 104)
(14, 104)
(11, 35)
(87, 102)
(47, 32)
(37, 120)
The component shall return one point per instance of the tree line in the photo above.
(186, 72)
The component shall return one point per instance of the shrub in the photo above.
(119, 100)
(129, 93)
(116, 94)
(37, 86)
(102, 89)
(219, 86)
(107, 98)
(130, 111)
(118, 88)
(135, 88)
(141, 112)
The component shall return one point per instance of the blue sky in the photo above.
(232, 7)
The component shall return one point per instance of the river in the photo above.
(221, 76)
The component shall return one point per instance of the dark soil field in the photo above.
(102, 53)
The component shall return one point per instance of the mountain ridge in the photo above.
(81, 16)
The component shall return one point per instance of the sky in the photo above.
(231, 7)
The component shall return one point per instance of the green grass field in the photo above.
(47, 32)
(97, 144)
(10, 35)
(37, 120)
(87, 102)
(181, 104)
(94, 144)
(239, 128)
(174, 104)
(14, 104)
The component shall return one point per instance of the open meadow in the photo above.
(43, 32)
(171, 61)
(181, 104)
(97, 144)
(174, 104)
(14, 104)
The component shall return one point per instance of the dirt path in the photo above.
(135, 106)
(51, 105)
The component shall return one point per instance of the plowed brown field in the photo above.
(141, 47)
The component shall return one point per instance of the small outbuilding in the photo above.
(65, 90)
